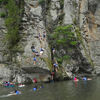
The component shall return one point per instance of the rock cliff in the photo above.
(43, 16)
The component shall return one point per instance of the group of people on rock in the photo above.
(54, 70)
(55, 65)
(42, 37)
(40, 53)
(34, 51)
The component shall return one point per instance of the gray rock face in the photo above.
(54, 9)
(3, 53)
(68, 7)
(40, 18)
(5, 73)
(89, 23)
(24, 75)
(33, 26)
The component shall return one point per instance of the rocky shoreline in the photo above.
(27, 74)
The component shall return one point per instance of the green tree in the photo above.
(12, 23)
(63, 36)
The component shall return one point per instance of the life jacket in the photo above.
(84, 78)
(55, 65)
(34, 88)
(75, 79)
(17, 92)
(35, 80)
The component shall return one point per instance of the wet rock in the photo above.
(5, 73)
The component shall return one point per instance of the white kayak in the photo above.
(21, 86)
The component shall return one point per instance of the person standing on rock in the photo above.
(44, 36)
(34, 60)
(53, 50)
(52, 75)
(33, 49)
(55, 65)
(41, 51)
(37, 53)
(40, 37)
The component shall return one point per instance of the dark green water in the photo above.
(67, 90)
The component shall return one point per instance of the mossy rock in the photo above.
(48, 62)
(2, 15)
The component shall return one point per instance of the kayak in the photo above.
(21, 86)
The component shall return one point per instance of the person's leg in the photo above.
(56, 69)
(51, 77)
(33, 53)
(34, 62)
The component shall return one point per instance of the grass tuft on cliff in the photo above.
(2, 14)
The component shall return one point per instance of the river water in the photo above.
(66, 90)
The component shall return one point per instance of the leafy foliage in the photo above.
(2, 15)
(41, 1)
(66, 57)
(64, 40)
(62, 3)
(63, 36)
(59, 60)
(12, 23)
(3, 1)
(73, 42)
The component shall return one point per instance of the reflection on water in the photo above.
(67, 90)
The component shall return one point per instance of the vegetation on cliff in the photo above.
(12, 23)
(63, 38)
(2, 15)
(41, 1)
(13, 19)
(4, 1)
(12, 13)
